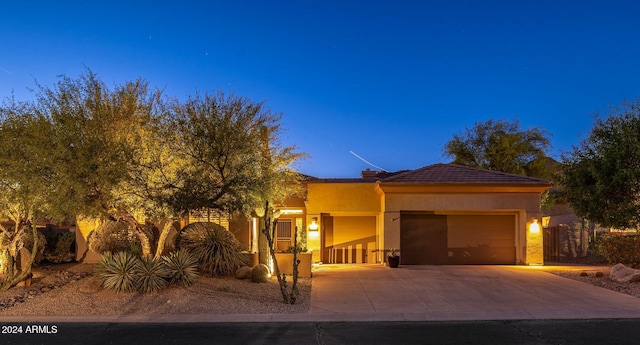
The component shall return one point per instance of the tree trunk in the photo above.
(163, 238)
(263, 243)
(139, 230)
(25, 268)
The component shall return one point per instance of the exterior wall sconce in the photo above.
(313, 228)
(534, 228)
(545, 221)
(314, 224)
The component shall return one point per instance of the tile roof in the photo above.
(375, 176)
(451, 173)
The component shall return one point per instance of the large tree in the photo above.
(128, 153)
(601, 176)
(501, 146)
(230, 154)
(231, 157)
(98, 136)
(25, 158)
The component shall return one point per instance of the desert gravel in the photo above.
(74, 290)
(601, 279)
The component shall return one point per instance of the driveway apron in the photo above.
(375, 292)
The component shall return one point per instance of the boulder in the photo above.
(243, 272)
(623, 274)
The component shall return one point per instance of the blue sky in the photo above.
(392, 81)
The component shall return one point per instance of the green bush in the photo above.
(301, 249)
(620, 249)
(114, 237)
(217, 250)
(152, 275)
(59, 247)
(118, 272)
(182, 267)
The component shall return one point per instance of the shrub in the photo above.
(260, 273)
(217, 250)
(152, 275)
(182, 267)
(59, 247)
(118, 271)
(620, 249)
(114, 237)
(301, 249)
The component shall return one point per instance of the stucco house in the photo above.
(438, 214)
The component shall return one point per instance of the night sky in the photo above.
(392, 81)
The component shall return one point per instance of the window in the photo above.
(284, 236)
(283, 230)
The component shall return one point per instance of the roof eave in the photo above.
(463, 187)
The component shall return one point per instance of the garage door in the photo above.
(429, 239)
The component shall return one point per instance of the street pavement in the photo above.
(507, 332)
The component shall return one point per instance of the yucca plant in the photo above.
(118, 271)
(182, 267)
(152, 275)
(217, 250)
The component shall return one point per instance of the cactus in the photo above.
(260, 273)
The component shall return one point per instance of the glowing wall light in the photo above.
(313, 228)
(534, 228)
(545, 221)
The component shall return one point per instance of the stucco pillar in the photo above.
(313, 238)
(391, 231)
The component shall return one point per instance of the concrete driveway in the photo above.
(408, 293)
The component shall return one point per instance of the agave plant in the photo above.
(152, 275)
(118, 271)
(217, 250)
(182, 267)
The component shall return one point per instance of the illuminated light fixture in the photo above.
(313, 228)
(545, 221)
(314, 224)
(291, 211)
(534, 228)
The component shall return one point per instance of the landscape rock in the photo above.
(623, 274)
(243, 272)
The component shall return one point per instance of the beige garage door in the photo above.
(457, 239)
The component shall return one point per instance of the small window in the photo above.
(283, 230)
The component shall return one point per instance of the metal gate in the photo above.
(551, 241)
